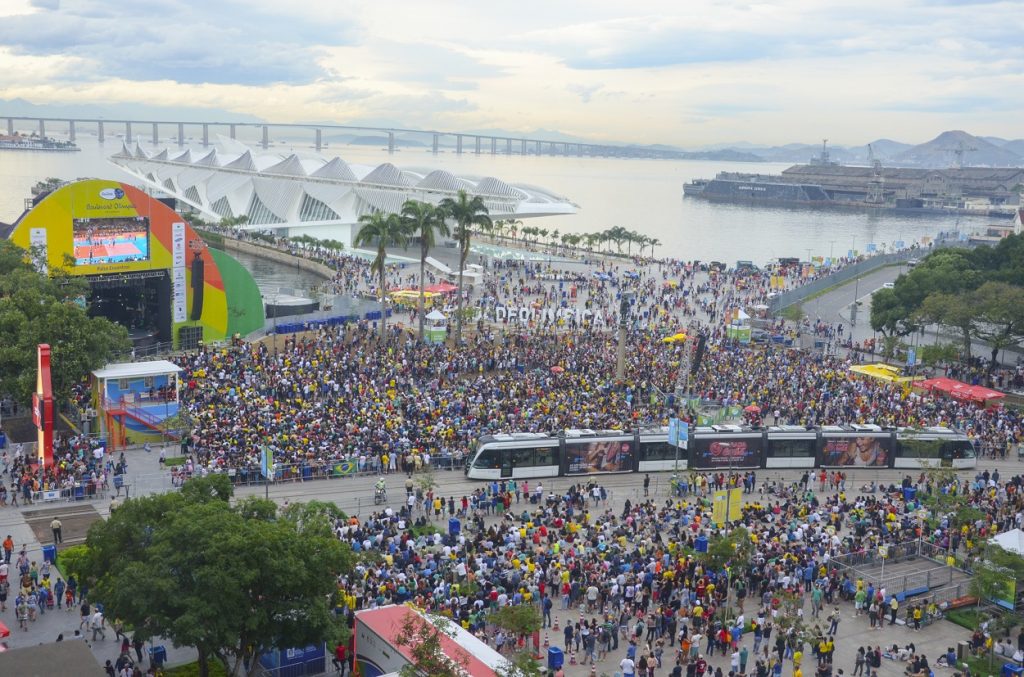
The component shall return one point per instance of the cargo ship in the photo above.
(41, 143)
(971, 191)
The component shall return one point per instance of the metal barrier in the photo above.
(868, 566)
(323, 470)
(316, 666)
(79, 492)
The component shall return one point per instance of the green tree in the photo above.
(933, 355)
(944, 497)
(38, 309)
(1000, 316)
(889, 314)
(954, 312)
(425, 221)
(230, 581)
(384, 230)
(466, 212)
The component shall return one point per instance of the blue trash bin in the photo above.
(50, 554)
(701, 544)
(1012, 670)
(454, 527)
(555, 658)
(79, 492)
(307, 472)
(3, 440)
(909, 494)
(158, 656)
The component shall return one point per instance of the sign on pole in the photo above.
(678, 433)
(266, 462)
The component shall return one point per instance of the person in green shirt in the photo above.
(859, 598)
(816, 596)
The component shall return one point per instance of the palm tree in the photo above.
(425, 221)
(385, 230)
(466, 212)
(513, 226)
(652, 243)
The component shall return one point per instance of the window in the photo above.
(315, 210)
(488, 459)
(791, 448)
(521, 458)
(260, 214)
(545, 456)
(911, 448)
(660, 451)
(222, 207)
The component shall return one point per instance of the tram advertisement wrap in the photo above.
(735, 453)
(595, 457)
(855, 451)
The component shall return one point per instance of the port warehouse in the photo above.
(996, 186)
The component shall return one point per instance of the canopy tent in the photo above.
(435, 315)
(442, 288)
(1012, 541)
(960, 390)
(884, 372)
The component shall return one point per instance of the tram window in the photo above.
(521, 458)
(962, 449)
(911, 448)
(791, 448)
(488, 459)
(545, 456)
(660, 451)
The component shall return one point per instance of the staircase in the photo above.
(119, 408)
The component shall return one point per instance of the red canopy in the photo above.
(961, 390)
(442, 288)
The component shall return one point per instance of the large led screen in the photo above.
(121, 239)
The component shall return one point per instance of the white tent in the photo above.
(1012, 541)
(435, 315)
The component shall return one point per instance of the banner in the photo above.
(855, 451)
(744, 452)
(179, 290)
(266, 462)
(719, 507)
(735, 504)
(37, 240)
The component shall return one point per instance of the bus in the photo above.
(719, 447)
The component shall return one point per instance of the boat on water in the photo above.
(39, 143)
(823, 183)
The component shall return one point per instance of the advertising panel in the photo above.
(737, 452)
(855, 450)
(596, 456)
(102, 241)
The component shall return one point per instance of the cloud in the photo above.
(215, 42)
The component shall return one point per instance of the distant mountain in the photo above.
(724, 155)
(1015, 146)
(940, 152)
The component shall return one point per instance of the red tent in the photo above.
(960, 390)
(442, 288)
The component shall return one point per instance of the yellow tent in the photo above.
(884, 372)
(675, 338)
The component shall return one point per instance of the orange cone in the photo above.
(556, 625)
(546, 642)
(593, 669)
(572, 657)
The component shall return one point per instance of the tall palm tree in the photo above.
(425, 221)
(466, 212)
(386, 230)
(652, 243)
(513, 226)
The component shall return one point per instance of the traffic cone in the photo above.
(556, 628)
(593, 669)
(572, 657)
(546, 642)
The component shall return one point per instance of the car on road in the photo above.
(759, 336)
(912, 262)
(888, 285)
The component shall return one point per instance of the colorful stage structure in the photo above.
(135, 401)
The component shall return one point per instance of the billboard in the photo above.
(738, 452)
(593, 456)
(120, 239)
(863, 451)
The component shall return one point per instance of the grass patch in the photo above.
(980, 665)
(172, 461)
(965, 618)
(217, 669)
(213, 239)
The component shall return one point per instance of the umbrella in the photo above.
(557, 370)
(675, 338)
(4, 631)
(752, 409)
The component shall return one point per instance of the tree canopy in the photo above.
(232, 581)
(36, 309)
(976, 293)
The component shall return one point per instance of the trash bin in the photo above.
(1012, 670)
(307, 472)
(909, 493)
(158, 656)
(79, 492)
(701, 544)
(963, 650)
(50, 554)
(454, 527)
(555, 658)
(3, 440)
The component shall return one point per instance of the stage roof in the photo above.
(137, 369)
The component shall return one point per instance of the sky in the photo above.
(684, 72)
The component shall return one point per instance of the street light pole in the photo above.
(620, 364)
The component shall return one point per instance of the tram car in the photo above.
(719, 447)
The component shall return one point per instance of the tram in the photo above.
(719, 447)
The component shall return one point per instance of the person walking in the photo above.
(858, 663)
(57, 527)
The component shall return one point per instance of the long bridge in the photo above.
(139, 130)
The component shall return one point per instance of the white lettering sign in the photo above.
(529, 314)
